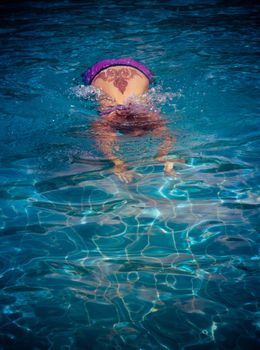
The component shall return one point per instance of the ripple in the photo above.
(165, 261)
(190, 317)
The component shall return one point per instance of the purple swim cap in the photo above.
(93, 71)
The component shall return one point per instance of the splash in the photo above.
(154, 96)
(157, 96)
(89, 92)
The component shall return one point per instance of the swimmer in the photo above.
(125, 109)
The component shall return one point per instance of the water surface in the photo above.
(88, 262)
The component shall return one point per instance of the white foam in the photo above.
(154, 96)
(87, 92)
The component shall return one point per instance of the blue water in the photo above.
(89, 262)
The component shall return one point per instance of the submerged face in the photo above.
(134, 123)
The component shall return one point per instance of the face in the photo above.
(134, 124)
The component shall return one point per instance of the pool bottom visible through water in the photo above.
(161, 262)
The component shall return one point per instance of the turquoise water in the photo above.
(89, 262)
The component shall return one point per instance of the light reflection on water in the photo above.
(89, 262)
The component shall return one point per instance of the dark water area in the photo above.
(89, 262)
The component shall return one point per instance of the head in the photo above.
(134, 123)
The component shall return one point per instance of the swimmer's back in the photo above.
(120, 82)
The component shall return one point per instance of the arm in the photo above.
(164, 149)
(105, 136)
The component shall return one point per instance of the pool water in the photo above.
(89, 262)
